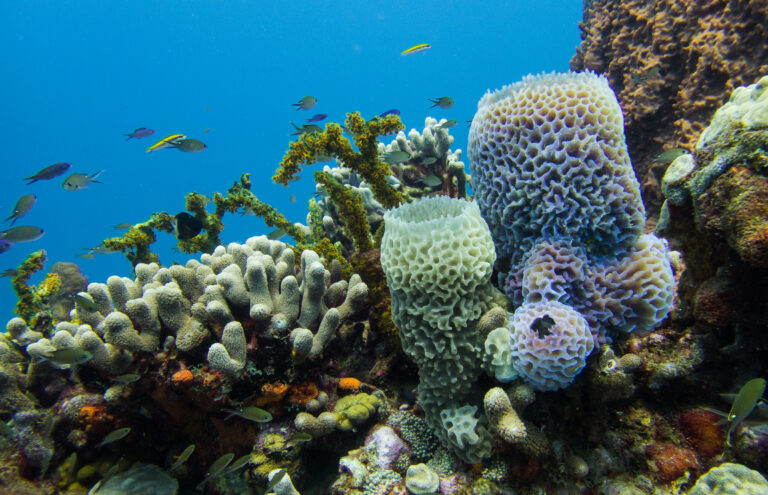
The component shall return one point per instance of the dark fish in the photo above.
(185, 226)
(83, 300)
(317, 117)
(10, 272)
(639, 77)
(306, 103)
(394, 111)
(448, 124)
(429, 160)
(239, 462)
(190, 145)
(122, 226)
(77, 182)
(292, 198)
(299, 437)
(668, 156)
(86, 256)
(139, 133)
(217, 468)
(396, 156)
(126, 379)
(48, 172)
(276, 234)
(5, 246)
(443, 102)
(22, 233)
(306, 128)
(431, 180)
(745, 402)
(23, 205)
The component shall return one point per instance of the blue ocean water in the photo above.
(77, 75)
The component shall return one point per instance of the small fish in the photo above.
(292, 198)
(182, 458)
(276, 477)
(416, 49)
(306, 103)
(83, 299)
(10, 272)
(448, 124)
(77, 182)
(431, 180)
(443, 102)
(140, 132)
(746, 400)
(49, 172)
(239, 463)
(318, 117)
(397, 156)
(394, 111)
(22, 233)
(186, 226)
(5, 246)
(217, 468)
(23, 205)
(122, 226)
(190, 145)
(86, 256)
(126, 378)
(207, 130)
(668, 156)
(251, 414)
(166, 142)
(639, 77)
(114, 436)
(306, 128)
(100, 249)
(299, 437)
(429, 160)
(68, 355)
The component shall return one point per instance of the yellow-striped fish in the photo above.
(166, 142)
(416, 49)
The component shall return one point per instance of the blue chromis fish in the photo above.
(394, 111)
(190, 145)
(23, 205)
(166, 142)
(443, 102)
(139, 133)
(251, 414)
(447, 124)
(745, 402)
(68, 355)
(115, 436)
(416, 49)
(78, 182)
(305, 103)
(319, 117)
(306, 128)
(22, 233)
(49, 172)
(182, 458)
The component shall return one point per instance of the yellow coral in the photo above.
(351, 209)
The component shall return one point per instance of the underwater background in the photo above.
(79, 75)
(384, 249)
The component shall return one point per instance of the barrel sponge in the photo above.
(549, 159)
(550, 344)
(440, 247)
(730, 479)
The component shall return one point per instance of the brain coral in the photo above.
(549, 160)
(550, 344)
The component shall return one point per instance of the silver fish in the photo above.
(182, 458)
(429, 160)
(77, 182)
(22, 233)
(126, 378)
(115, 436)
(431, 180)
(23, 205)
(190, 145)
(305, 103)
(448, 124)
(217, 468)
(397, 156)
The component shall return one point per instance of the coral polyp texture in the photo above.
(438, 256)
(548, 160)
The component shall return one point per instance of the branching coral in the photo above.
(350, 205)
(33, 299)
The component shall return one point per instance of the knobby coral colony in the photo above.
(271, 351)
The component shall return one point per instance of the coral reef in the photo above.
(672, 64)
